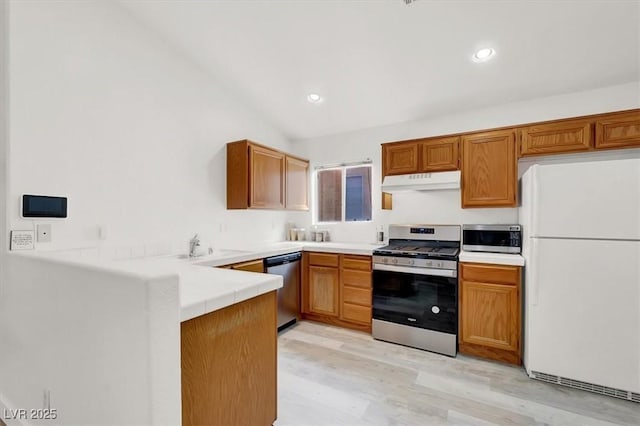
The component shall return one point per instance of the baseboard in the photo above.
(338, 322)
(490, 353)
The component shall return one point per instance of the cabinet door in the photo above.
(297, 184)
(400, 159)
(554, 138)
(323, 290)
(490, 315)
(266, 178)
(618, 130)
(438, 155)
(489, 169)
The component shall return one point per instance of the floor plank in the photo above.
(333, 376)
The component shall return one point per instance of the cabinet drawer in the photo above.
(485, 273)
(251, 266)
(360, 279)
(324, 259)
(358, 296)
(360, 263)
(356, 313)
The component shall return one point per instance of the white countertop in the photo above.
(203, 287)
(494, 258)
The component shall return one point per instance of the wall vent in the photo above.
(589, 387)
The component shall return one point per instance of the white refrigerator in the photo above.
(581, 243)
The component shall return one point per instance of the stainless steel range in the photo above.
(415, 287)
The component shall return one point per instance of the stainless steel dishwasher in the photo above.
(288, 266)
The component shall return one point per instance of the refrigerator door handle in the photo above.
(534, 284)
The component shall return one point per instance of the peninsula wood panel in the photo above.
(324, 290)
(620, 130)
(489, 165)
(266, 178)
(229, 365)
(556, 138)
(400, 158)
(438, 155)
(297, 183)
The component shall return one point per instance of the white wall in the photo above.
(4, 117)
(3, 164)
(105, 112)
(443, 207)
(106, 345)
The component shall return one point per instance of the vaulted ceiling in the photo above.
(384, 62)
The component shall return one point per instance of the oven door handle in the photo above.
(449, 273)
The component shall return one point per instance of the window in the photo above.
(344, 194)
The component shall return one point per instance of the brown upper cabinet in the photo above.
(266, 174)
(555, 138)
(259, 177)
(400, 158)
(489, 165)
(297, 182)
(619, 130)
(439, 155)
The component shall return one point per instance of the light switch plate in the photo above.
(44, 233)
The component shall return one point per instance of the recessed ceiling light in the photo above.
(483, 55)
(314, 98)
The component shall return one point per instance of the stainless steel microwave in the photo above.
(492, 238)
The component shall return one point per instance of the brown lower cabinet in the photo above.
(336, 289)
(229, 365)
(490, 311)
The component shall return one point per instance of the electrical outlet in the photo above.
(44, 233)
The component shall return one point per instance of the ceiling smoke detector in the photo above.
(408, 1)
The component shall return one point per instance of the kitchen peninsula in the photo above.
(160, 337)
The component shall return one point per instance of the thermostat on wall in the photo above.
(44, 206)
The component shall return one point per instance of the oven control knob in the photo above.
(395, 261)
(439, 265)
(412, 262)
(385, 260)
(435, 309)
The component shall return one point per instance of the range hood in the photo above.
(422, 182)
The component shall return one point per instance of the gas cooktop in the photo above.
(422, 241)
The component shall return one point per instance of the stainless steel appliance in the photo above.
(492, 238)
(288, 266)
(415, 287)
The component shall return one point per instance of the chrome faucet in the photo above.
(194, 243)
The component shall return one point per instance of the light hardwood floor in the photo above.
(333, 376)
